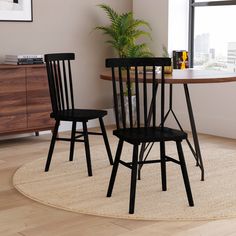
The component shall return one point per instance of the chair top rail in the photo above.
(148, 61)
(59, 56)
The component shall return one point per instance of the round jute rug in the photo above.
(68, 187)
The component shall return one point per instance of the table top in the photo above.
(188, 76)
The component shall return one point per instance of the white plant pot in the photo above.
(133, 100)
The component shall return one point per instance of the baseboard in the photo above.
(220, 125)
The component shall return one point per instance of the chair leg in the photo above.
(163, 165)
(87, 149)
(52, 145)
(72, 141)
(133, 179)
(104, 134)
(184, 173)
(115, 167)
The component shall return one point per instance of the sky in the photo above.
(219, 21)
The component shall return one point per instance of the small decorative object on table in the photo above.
(167, 69)
(180, 59)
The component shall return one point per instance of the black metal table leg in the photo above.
(195, 150)
(194, 130)
(170, 111)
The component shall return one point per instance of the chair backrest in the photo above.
(142, 73)
(60, 80)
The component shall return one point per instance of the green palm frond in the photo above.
(109, 11)
(165, 51)
(107, 30)
(139, 50)
(124, 31)
(137, 34)
(138, 23)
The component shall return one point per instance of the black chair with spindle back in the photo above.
(142, 72)
(63, 108)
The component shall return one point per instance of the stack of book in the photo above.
(23, 59)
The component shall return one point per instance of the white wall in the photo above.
(178, 25)
(213, 104)
(156, 13)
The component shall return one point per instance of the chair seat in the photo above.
(79, 114)
(144, 135)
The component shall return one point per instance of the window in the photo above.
(212, 34)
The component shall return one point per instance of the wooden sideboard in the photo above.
(24, 99)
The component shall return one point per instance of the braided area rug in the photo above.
(67, 186)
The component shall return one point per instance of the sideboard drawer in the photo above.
(12, 80)
(25, 104)
(13, 123)
(36, 120)
(12, 103)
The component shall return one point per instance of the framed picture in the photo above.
(16, 10)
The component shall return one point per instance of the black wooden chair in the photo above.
(142, 72)
(63, 108)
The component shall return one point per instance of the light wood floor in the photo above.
(20, 216)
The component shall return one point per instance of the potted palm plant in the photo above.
(124, 32)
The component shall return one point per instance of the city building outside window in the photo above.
(212, 34)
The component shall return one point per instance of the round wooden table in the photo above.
(185, 77)
(189, 76)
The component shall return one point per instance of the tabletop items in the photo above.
(180, 59)
(24, 59)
